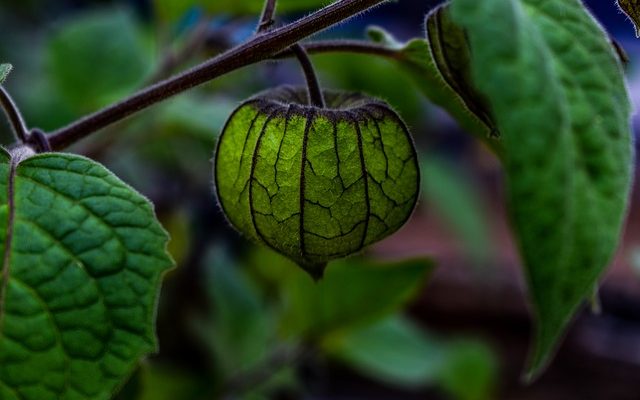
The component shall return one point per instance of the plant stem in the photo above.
(259, 48)
(346, 46)
(16, 120)
(313, 85)
(267, 20)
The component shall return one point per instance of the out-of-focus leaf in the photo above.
(398, 352)
(160, 382)
(470, 370)
(352, 293)
(284, 379)
(241, 327)
(171, 10)
(456, 201)
(98, 58)
(241, 331)
(177, 225)
(394, 351)
(202, 117)
(5, 69)
(558, 94)
(344, 71)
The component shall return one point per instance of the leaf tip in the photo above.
(5, 70)
(316, 271)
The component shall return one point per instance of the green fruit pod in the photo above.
(316, 184)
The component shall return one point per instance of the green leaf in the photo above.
(417, 59)
(379, 35)
(456, 201)
(632, 9)
(5, 69)
(156, 381)
(316, 184)
(83, 259)
(198, 116)
(394, 351)
(352, 293)
(344, 70)
(397, 352)
(98, 58)
(470, 370)
(241, 328)
(451, 56)
(560, 102)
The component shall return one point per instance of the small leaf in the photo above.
(353, 293)
(417, 59)
(83, 259)
(399, 353)
(380, 36)
(241, 330)
(451, 55)
(559, 99)
(632, 9)
(394, 351)
(470, 371)
(5, 70)
(316, 184)
(457, 202)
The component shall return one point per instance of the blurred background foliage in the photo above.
(238, 321)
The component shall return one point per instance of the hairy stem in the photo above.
(259, 48)
(267, 20)
(313, 85)
(16, 120)
(346, 46)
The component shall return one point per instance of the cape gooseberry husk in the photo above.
(316, 184)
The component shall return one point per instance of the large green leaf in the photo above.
(98, 58)
(83, 257)
(5, 69)
(557, 91)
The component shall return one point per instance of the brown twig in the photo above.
(19, 127)
(313, 84)
(267, 18)
(259, 48)
(345, 46)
